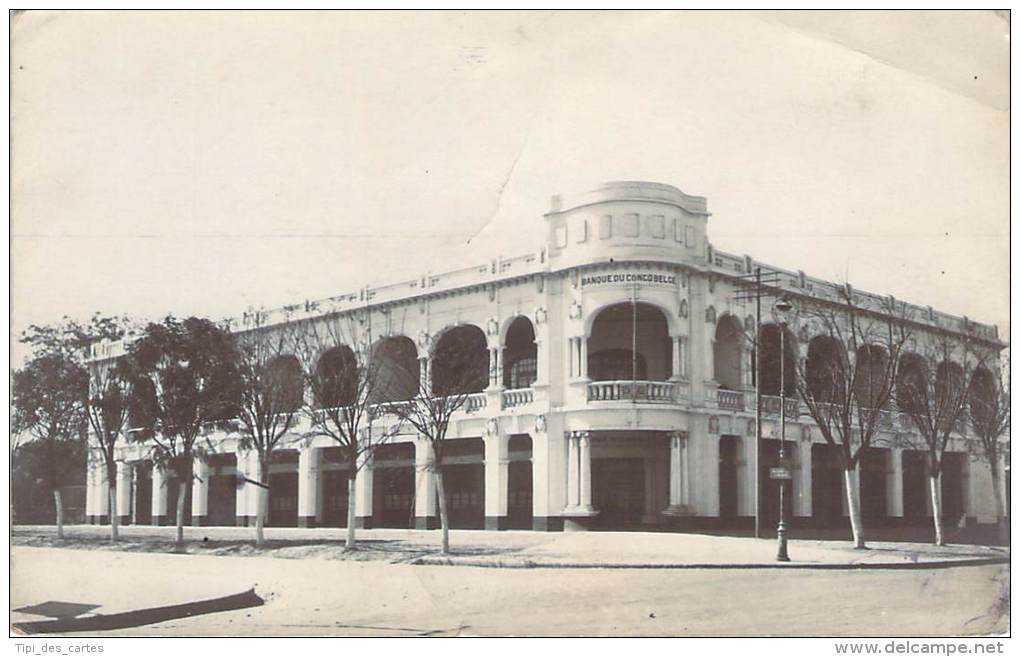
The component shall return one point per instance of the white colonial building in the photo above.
(621, 394)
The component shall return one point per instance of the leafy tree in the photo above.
(186, 370)
(107, 411)
(49, 395)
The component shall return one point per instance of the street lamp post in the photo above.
(783, 308)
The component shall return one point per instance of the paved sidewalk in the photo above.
(517, 549)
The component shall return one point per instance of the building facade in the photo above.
(620, 394)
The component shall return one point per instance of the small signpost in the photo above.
(780, 472)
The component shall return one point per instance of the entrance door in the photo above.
(519, 500)
(728, 446)
(222, 500)
(335, 491)
(618, 491)
(952, 488)
(915, 487)
(465, 495)
(827, 489)
(393, 497)
(143, 494)
(283, 493)
(873, 483)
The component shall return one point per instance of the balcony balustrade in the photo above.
(730, 400)
(662, 392)
(518, 397)
(770, 405)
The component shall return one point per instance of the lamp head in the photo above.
(783, 307)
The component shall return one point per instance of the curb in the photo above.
(524, 564)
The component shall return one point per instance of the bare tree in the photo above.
(457, 370)
(269, 398)
(350, 385)
(847, 380)
(988, 403)
(932, 388)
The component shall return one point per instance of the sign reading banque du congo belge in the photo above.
(629, 278)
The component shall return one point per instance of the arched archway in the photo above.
(727, 352)
(770, 360)
(630, 341)
(870, 383)
(395, 370)
(460, 362)
(912, 383)
(949, 384)
(285, 383)
(983, 402)
(826, 370)
(520, 356)
(336, 378)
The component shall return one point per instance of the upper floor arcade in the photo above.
(628, 302)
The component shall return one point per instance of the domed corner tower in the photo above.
(627, 220)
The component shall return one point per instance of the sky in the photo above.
(205, 163)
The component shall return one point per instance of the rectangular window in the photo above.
(689, 236)
(605, 226)
(581, 230)
(561, 237)
(630, 225)
(678, 229)
(656, 226)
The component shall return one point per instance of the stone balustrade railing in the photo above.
(645, 391)
(518, 397)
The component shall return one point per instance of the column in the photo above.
(200, 494)
(248, 492)
(583, 357)
(308, 486)
(677, 367)
(803, 507)
(497, 471)
(678, 475)
(159, 494)
(133, 511)
(363, 491)
(585, 478)
(102, 496)
(682, 343)
(426, 514)
(425, 374)
(894, 483)
(710, 359)
(90, 493)
(124, 472)
(573, 471)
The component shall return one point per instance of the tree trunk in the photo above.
(263, 505)
(182, 490)
(443, 520)
(1000, 507)
(351, 510)
(114, 520)
(853, 505)
(58, 502)
(935, 484)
